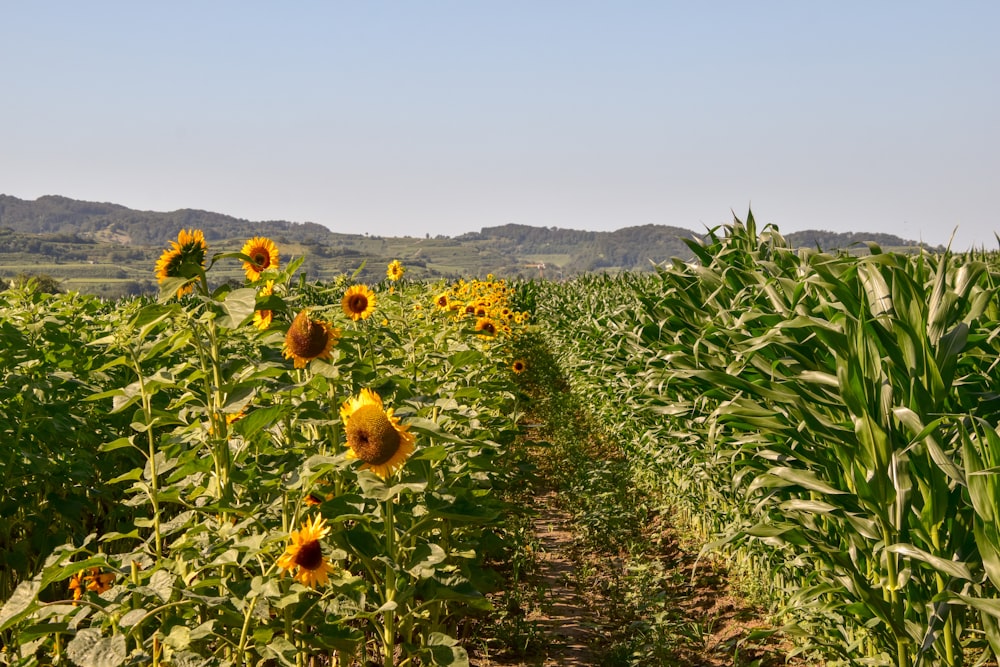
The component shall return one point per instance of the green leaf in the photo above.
(425, 557)
(90, 649)
(162, 583)
(950, 567)
(445, 651)
(239, 306)
(283, 650)
(20, 603)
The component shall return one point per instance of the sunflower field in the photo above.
(284, 473)
(266, 473)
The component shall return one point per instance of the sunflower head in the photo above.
(442, 301)
(358, 302)
(309, 339)
(305, 554)
(90, 580)
(262, 318)
(395, 270)
(263, 255)
(519, 366)
(374, 435)
(185, 258)
(486, 327)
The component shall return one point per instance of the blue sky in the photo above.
(443, 117)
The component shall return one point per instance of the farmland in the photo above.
(255, 468)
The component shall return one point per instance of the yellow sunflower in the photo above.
(262, 318)
(305, 554)
(95, 581)
(374, 435)
(182, 258)
(309, 339)
(263, 255)
(486, 327)
(442, 301)
(395, 270)
(518, 366)
(358, 302)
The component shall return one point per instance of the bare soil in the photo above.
(580, 617)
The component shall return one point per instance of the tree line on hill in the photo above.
(67, 230)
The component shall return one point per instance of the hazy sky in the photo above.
(443, 117)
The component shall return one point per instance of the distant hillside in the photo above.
(111, 249)
(52, 214)
(630, 248)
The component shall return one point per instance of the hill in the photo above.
(110, 249)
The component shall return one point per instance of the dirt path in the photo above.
(564, 614)
(568, 626)
(578, 618)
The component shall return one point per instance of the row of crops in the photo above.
(828, 420)
(283, 473)
(271, 473)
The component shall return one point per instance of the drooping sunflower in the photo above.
(309, 339)
(182, 258)
(305, 554)
(486, 327)
(263, 255)
(519, 366)
(262, 318)
(358, 302)
(395, 270)
(375, 435)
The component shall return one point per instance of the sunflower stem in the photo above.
(389, 617)
(154, 483)
(371, 348)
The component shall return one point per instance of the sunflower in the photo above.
(186, 252)
(442, 301)
(518, 366)
(395, 270)
(358, 302)
(487, 327)
(309, 339)
(374, 435)
(263, 255)
(306, 553)
(95, 581)
(262, 318)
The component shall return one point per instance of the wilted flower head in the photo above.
(309, 339)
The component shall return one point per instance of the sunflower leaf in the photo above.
(239, 306)
(90, 649)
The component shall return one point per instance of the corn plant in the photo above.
(791, 400)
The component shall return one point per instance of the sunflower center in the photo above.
(309, 555)
(308, 339)
(358, 303)
(263, 260)
(371, 435)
